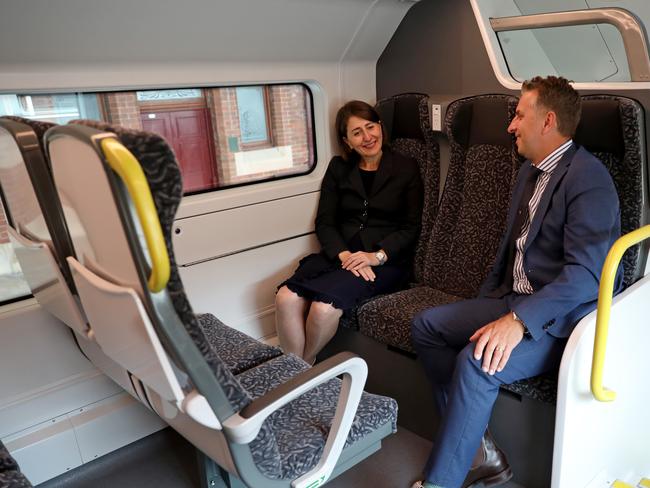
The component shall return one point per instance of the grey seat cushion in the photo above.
(10, 475)
(542, 388)
(388, 318)
(237, 350)
(299, 429)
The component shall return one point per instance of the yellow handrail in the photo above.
(605, 293)
(127, 167)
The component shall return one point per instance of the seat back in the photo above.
(36, 225)
(407, 121)
(473, 208)
(112, 245)
(612, 128)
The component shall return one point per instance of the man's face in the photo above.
(527, 125)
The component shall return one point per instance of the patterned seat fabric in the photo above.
(407, 121)
(306, 419)
(400, 308)
(10, 475)
(237, 350)
(300, 428)
(611, 128)
(461, 245)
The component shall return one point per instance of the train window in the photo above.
(12, 283)
(581, 53)
(222, 137)
(589, 42)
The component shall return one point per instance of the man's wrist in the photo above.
(521, 322)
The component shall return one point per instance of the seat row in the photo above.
(90, 209)
(461, 229)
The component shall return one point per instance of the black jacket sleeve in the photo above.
(327, 225)
(403, 239)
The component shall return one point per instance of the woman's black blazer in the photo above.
(389, 218)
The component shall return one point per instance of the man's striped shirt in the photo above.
(521, 284)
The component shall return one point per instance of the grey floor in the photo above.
(166, 460)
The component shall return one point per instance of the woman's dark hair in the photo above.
(360, 109)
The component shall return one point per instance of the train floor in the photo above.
(166, 460)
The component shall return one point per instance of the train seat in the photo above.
(250, 423)
(460, 245)
(248, 351)
(408, 124)
(36, 227)
(611, 128)
(10, 474)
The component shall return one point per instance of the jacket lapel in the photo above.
(383, 172)
(558, 174)
(356, 181)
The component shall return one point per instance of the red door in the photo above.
(189, 133)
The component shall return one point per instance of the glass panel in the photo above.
(252, 114)
(58, 108)
(221, 136)
(12, 282)
(579, 53)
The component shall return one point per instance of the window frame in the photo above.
(485, 11)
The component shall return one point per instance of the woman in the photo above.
(367, 223)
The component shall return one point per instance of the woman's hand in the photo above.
(360, 264)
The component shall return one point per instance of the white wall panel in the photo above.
(220, 233)
(240, 289)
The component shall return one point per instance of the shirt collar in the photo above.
(549, 163)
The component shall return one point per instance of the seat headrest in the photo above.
(481, 120)
(600, 128)
(402, 115)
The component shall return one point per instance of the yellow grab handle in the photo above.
(605, 293)
(128, 168)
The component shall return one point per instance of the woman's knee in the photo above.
(321, 311)
(285, 297)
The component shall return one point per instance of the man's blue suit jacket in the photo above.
(575, 225)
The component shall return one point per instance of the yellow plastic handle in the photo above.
(127, 167)
(605, 293)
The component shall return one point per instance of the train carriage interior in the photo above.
(160, 171)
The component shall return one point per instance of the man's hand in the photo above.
(495, 342)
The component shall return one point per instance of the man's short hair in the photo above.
(556, 94)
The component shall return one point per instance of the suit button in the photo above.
(361, 227)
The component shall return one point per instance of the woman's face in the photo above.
(364, 137)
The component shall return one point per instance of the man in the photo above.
(563, 218)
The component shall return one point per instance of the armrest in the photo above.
(243, 427)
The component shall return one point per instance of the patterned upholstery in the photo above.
(237, 350)
(397, 310)
(299, 429)
(464, 237)
(10, 475)
(302, 424)
(406, 117)
(612, 129)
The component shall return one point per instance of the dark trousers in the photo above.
(464, 393)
